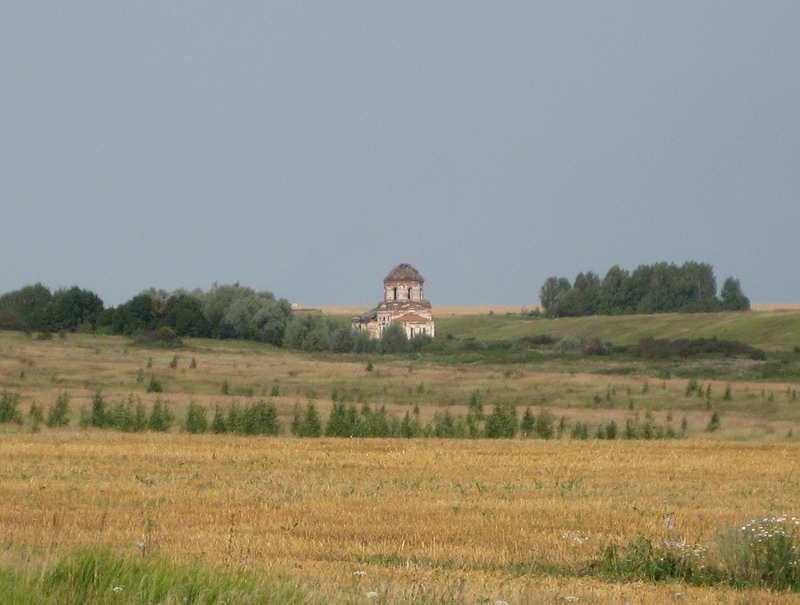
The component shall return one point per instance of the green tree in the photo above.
(58, 414)
(196, 419)
(394, 339)
(184, 313)
(551, 293)
(71, 309)
(502, 422)
(98, 413)
(24, 309)
(312, 426)
(160, 417)
(731, 296)
(528, 423)
(9, 411)
(615, 292)
(545, 422)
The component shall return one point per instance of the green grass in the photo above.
(764, 329)
(95, 576)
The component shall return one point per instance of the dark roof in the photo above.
(404, 272)
(366, 317)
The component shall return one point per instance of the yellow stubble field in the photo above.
(468, 517)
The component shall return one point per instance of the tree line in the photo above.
(160, 317)
(228, 311)
(658, 288)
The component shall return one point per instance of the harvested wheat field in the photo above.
(483, 521)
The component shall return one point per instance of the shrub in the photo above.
(762, 552)
(218, 425)
(196, 419)
(8, 407)
(713, 423)
(98, 413)
(569, 344)
(155, 386)
(502, 422)
(545, 425)
(642, 559)
(37, 417)
(528, 423)
(160, 417)
(58, 415)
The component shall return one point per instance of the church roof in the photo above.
(404, 272)
(412, 318)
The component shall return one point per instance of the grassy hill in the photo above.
(769, 330)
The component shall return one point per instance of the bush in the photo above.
(8, 407)
(98, 413)
(155, 386)
(58, 415)
(196, 419)
(762, 552)
(643, 560)
(160, 417)
(502, 423)
(569, 344)
(545, 425)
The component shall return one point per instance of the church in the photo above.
(403, 303)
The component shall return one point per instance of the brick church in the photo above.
(403, 303)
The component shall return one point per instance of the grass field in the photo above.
(474, 521)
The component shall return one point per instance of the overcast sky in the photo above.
(307, 148)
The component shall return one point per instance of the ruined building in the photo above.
(403, 303)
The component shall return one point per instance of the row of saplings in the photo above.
(345, 420)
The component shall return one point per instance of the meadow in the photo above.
(426, 520)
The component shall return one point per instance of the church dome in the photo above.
(403, 272)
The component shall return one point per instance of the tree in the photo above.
(731, 296)
(71, 309)
(615, 292)
(24, 309)
(98, 414)
(253, 315)
(552, 291)
(696, 288)
(394, 339)
(184, 313)
(58, 414)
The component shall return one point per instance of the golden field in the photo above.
(476, 521)
(463, 516)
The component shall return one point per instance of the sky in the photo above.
(307, 148)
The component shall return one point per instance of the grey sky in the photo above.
(307, 148)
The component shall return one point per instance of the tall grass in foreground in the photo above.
(93, 576)
(760, 553)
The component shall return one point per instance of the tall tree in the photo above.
(553, 289)
(731, 296)
(71, 309)
(615, 292)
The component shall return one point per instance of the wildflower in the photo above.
(372, 594)
(117, 589)
(142, 544)
(569, 599)
(501, 602)
(359, 572)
